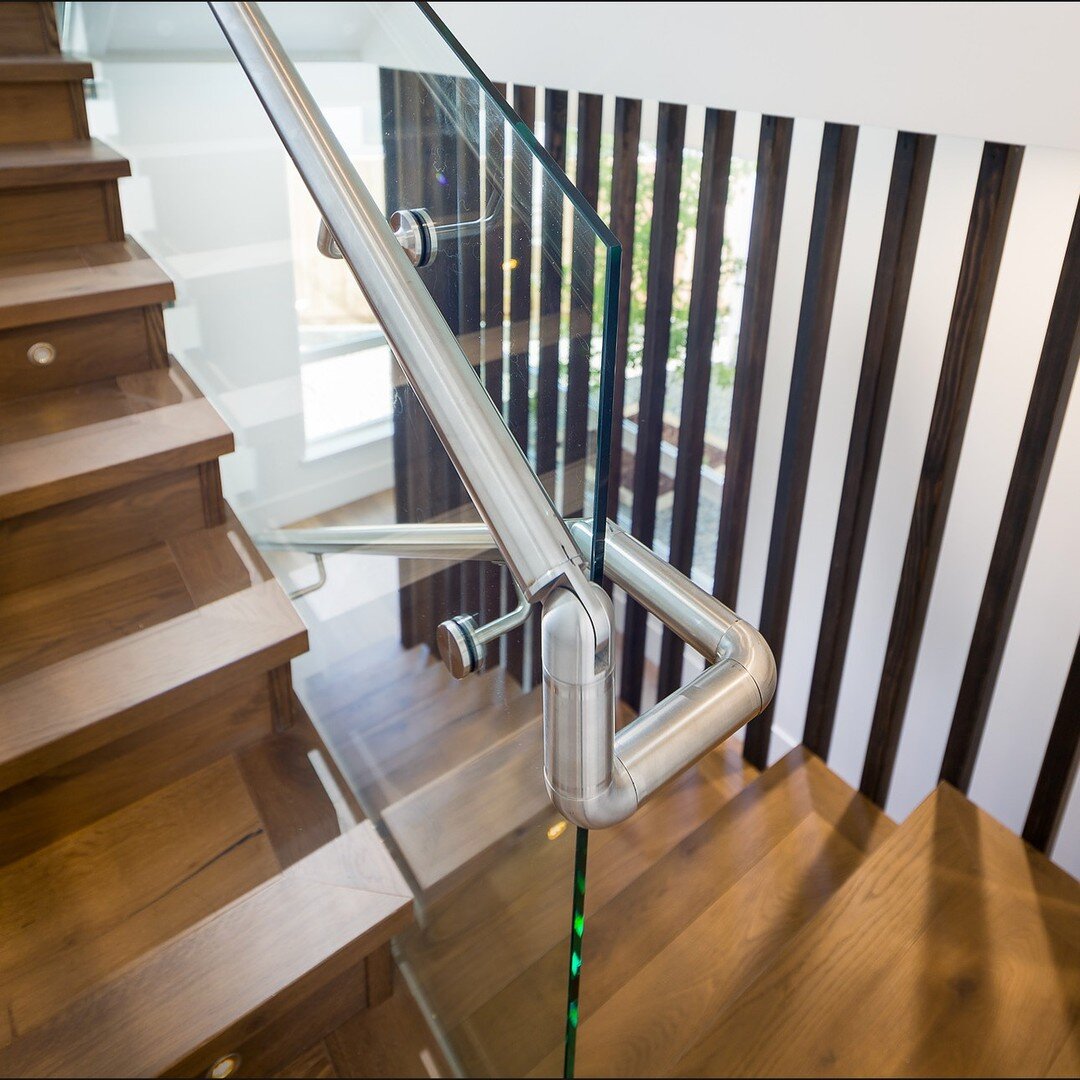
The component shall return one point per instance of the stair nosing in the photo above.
(55, 295)
(27, 165)
(159, 441)
(103, 1055)
(53, 715)
(44, 68)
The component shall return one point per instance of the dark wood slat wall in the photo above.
(582, 300)
(494, 578)
(1019, 516)
(624, 183)
(549, 320)
(888, 308)
(469, 271)
(671, 131)
(521, 200)
(1059, 765)
(551, 290)
(774, 153)
(697, 372)
(808, 368)
(995, 188)
(400, 96)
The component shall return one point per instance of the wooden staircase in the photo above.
(174, 883)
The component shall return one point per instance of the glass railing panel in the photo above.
(282, 340)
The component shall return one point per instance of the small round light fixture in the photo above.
(224, 1066)
(41, 353)
(556, 830)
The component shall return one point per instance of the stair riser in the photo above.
(36, 112)
(80, 792)
(59, 215)
(28, 29)
(86, 532)
(87, 350)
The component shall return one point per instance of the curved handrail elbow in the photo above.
(684, 726)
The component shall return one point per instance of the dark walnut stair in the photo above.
(175, 883)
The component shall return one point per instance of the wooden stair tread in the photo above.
(72, 707)
(729, 895)
(64, 283)
(444, 826)
(85, 906)
(51, 469)
(92, 403)
(955, 950)
(45, 624)
(223, 974)
(21, 69)
(78, 161)
(476, 941)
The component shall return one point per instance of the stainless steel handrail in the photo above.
(596, 776)
(521, 516)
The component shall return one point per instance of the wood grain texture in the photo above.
(311, 921)
(1058, 767)
(774, 153)
(79, 910)
(663, 238)
(88, 350)
(61, 801)
(701, 329)
(28, 29)
(624, 181)
(43, 69)
(888, 309)
(629, 929)
(807, 370)
(952, 952)
(79, 705)
(1019, 515)
(72, 282)
(994, 191)
(443, 828)
(39, 107)
(57, 216)
(391, 1039)
(81, 461)
(78, 162)
(479, 940)
(292, 803)
(63, 540)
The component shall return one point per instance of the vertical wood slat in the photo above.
(1059, 765)
(624, 182)
(697, 373)
(582, 290)
(1019, 516)
(808, 368)
(888, 309)
(774, 153)
(439, 143)
(551, 282)
(399, 92)
(494, 578)
(521, 179)
(467, 181)
(995, 188)
(671, 130)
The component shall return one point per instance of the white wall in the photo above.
(1004, 71)
(955, 70)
